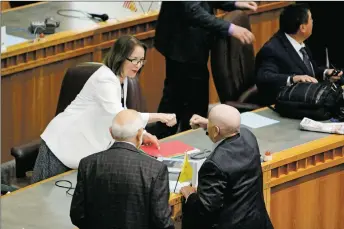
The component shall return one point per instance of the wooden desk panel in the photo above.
(313, 201)
(303, 184)
(32, 72)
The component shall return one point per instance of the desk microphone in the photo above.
(104, 17)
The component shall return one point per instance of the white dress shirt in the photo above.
(297, 46)
(83, 128)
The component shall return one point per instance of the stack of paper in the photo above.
(311, 125)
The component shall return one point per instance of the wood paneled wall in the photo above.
(32, 74)
(5, 5)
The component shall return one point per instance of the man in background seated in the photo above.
(230, 182)
(285, 59)
(122, 187)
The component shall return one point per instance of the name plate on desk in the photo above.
(8, 40)
(3, 33)
(174, 166)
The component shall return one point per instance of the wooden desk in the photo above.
(32, 72)
(303, 184)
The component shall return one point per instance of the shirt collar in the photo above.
(297, 46)
(216, 144)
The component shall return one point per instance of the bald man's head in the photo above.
(128, 126)
(224, 120)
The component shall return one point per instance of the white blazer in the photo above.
(83, 127)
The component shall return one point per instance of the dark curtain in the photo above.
(327, 32)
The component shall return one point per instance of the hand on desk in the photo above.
(246, 5)
(197, 121)
(149, 139)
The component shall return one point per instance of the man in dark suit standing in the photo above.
(184, 32)
(122, 187)
(285, 59)
(230, 181)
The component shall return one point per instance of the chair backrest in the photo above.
(232, 63)
(73, 81)
(135, 99)
(76, 77)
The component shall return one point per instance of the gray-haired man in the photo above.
(121, 187)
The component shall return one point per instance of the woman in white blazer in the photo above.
(83, 127)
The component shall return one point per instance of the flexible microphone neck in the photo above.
(103, 17)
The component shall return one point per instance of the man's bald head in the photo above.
(126, 125)
(226, 117)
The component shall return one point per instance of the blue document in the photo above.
(253, 120)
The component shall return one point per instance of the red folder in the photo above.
(168, 149)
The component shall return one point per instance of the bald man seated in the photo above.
(230, 182)
(122, 187)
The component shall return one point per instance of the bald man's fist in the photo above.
(197, 121)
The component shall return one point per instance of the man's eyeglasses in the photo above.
(136, 61)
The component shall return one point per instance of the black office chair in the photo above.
(232, 65)
(75, 78)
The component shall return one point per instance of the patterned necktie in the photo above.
(122, 95)
(307, 61)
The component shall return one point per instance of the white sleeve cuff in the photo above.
(145, 117)
(288, 82)
(324, 74)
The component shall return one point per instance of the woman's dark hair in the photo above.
(292, 17)
(122, 49)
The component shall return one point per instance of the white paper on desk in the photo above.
(13, 40)
(253, 120)
(311, 125)
(3, 34)
(8, 40)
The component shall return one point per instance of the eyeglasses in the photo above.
(136, 61)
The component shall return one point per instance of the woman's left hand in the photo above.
(169, 119)
(149, 139)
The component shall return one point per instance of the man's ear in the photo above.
(217, 131)
(139, 134)
(302, 28)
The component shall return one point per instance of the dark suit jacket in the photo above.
(230, 188)
(185, 29)
(275, 62)
(121, 188)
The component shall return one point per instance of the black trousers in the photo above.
(186, 92)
